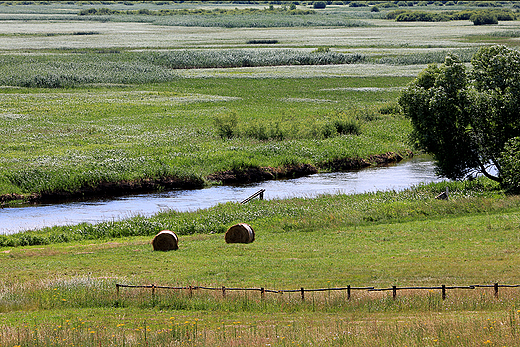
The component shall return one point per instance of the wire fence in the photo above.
(348, 289)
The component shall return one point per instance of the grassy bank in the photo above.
(289, 215)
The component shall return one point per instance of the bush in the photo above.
(319, 5)
(387, 5)
(510, 166)
(226, 125)
(346, 127)
(483, 18)
(262, 41)
(394, 14)
(417, 16)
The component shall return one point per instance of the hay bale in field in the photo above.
(240, 233)
(166, 240)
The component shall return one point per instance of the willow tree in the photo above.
(464, 118)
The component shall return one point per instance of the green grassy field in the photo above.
(64, 293)
(86, 100)
(68, 140)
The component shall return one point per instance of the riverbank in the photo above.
(396, 177)
(369, 207)
(234, 176)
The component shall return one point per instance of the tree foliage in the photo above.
(464, 118)
(511, 165)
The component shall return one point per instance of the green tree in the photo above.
(465, 118)
(511, 165)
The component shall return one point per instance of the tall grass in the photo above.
(65, 71)
(227, 126)
(249, 57)
(465, 54)
(175, 319)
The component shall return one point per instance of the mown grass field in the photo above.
(64, 293)
(85, 100)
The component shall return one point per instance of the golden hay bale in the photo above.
(166, 240)
(240, 233)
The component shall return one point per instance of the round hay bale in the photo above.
(166, 240)
(240, 233)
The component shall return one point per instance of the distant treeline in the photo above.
(423, 16)
(169, 12)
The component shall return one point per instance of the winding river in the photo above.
(394, 177)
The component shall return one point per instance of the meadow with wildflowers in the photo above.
(142, 101)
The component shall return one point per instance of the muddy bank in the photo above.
(108, 189)
(257, 174)
(345, 164)
(235, 176)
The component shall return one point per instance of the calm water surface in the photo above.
(395, 177)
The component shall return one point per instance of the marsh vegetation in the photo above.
(91, 101)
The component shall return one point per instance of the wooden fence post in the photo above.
(303, 293)
(496, 290)
(117, 290)
(348, 292)
(223, 291)
(443, 292)
(394, 292)
(262, 293)
(190, 292)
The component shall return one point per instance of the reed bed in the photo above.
(74, 70)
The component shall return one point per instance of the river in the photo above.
(393, 177)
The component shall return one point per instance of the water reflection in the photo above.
(395, 177)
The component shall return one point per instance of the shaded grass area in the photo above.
(80, 138)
